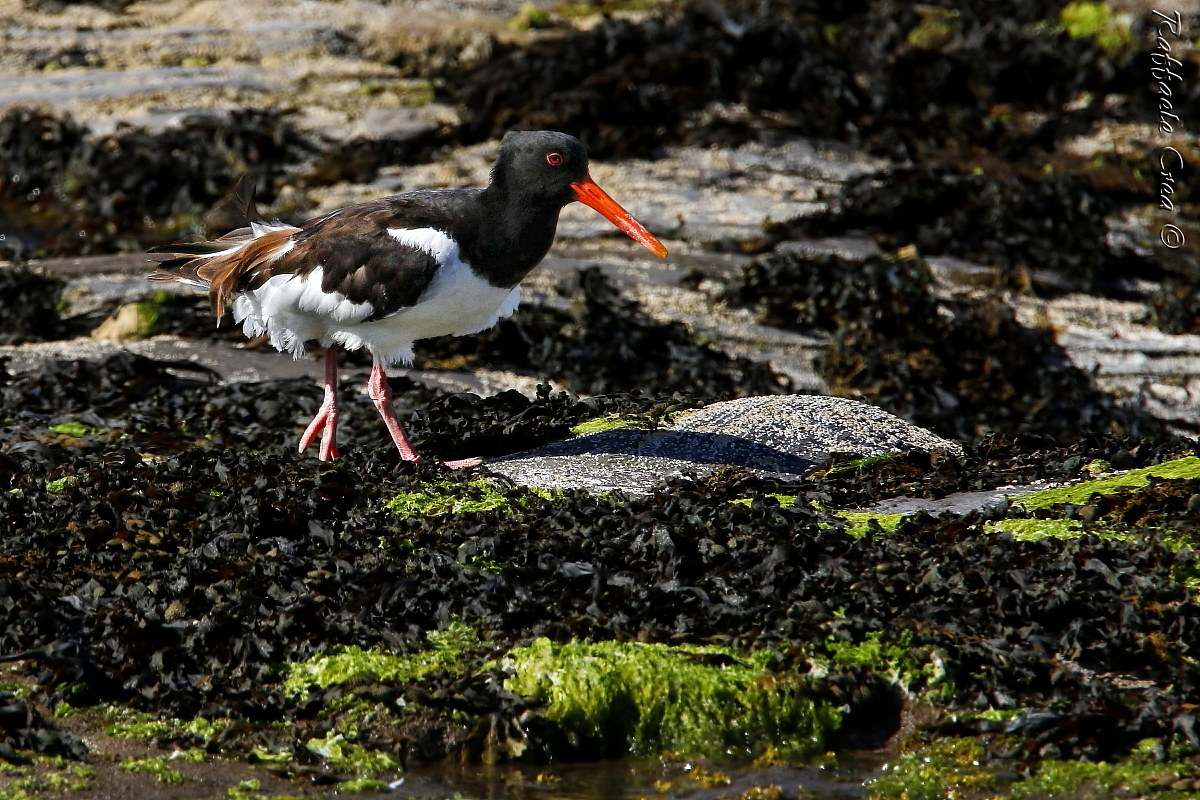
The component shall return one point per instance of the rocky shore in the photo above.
(884, 485)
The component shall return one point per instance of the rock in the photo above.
(402, 124)
(779, 435)
(132, 321)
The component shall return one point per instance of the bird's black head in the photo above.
(539, 167)
(542, 170)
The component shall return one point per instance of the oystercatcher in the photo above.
(385, 273)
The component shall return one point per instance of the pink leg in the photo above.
(381, 395)
(327, 417)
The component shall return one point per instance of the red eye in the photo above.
(554, 159)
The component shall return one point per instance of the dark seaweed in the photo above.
(85, 194)
(963, 367)
(1054, 223)
(179, 585)
(858, 71)
(23, 728)
(31, 302)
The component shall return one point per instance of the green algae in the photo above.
(146, 318)
(529, 17)
(447, 651)
(1097, 21)
(349, 720)
(1031, 530)
(169, 728)
(860, 522)
(993, 714)
(587, 9)
(57, 485)
(452, 497)
(122, 722)
(46, 775)
(449, 497)
(630, 698)
(1083, 780)
(355, 785)
(337, 748)
(1075, 494)
(76, 429)
(1034, 529)
(784, 500)
(344, 717)
(252, 790)
(410, 93)
(958, 767)
(1080, 493)
(936, 28)
(156, 767)
(245, 790)
(347, 756)
(860, 466)
(139, 729)
(950, 767)
(611, 422)
(918, 671)
(261, 755)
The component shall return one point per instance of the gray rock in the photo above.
(778, 435)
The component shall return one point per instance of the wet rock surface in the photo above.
(987, 266)
(778, 437)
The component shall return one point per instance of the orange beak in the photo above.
(590, 194)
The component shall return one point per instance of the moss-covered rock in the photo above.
(610, 699)
(1080, 493)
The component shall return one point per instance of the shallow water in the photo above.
(627, 779)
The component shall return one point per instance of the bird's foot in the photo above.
(328, 451)
(462, 463)
(324, 422)
(327, 415)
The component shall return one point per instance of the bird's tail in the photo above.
(214, 265)
(225, 265)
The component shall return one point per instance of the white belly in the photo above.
(457, 303)
(293, 309)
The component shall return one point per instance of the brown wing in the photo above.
(360, 260)
(357, 256)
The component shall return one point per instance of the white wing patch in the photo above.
(431, 240)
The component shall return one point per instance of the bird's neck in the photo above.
(514, 237)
